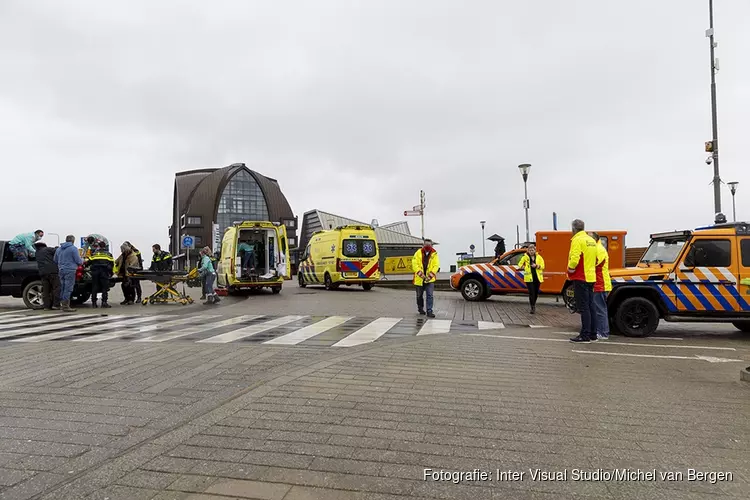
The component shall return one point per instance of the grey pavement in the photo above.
(128, 420)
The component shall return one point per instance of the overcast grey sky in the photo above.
(355, 106)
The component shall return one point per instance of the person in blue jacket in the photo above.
(67, 259)
(22, 246)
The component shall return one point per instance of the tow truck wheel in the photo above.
(472, 290)
(301, 279)
(367, 286)
(743, 326)
(636, 317)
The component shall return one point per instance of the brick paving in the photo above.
(209, 422)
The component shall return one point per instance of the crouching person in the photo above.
(208, 276)
(102, 267)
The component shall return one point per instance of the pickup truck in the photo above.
(21, 280)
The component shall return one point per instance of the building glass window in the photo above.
(292, 242)
(194, 221)
(241, 200)
(198, 241)
(289, 223)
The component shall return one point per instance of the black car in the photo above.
(22, 280)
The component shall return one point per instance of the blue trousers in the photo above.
(584, 293)
(430, 289)
(67, 282)
(600, 312)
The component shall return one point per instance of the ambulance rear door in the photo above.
(743, 280)
(284, 268)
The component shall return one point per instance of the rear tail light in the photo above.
(79, 273)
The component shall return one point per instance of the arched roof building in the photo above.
(209, 200)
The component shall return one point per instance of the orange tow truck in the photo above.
(501, 276)
(699, 275)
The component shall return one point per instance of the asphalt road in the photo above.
(244, 417)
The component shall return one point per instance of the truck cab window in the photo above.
(709, 253)
(511, 260)
(745, 250)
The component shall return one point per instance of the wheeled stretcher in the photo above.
(167, 283)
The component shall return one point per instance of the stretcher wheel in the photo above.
(144, 302)
(190, 300)
(184, 302)
(152, 301)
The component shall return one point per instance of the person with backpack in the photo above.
(208, 276)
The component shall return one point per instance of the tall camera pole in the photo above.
(714, 121)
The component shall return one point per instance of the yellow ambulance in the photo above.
(254, 254)
(347, 255)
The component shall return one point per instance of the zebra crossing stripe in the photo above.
(198, 329)
(35, 320)
(85, 329)
(436, 326)
(489, 325)
(89, 320)
(9, 312)
(251, 330)
(368, 333)
(310, 331)
(144, 329)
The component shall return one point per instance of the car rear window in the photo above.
(360, 248)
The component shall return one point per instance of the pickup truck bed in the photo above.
(22, 280)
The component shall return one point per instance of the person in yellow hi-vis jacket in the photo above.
(425, 265)
(602, 287)
(582, 272)
(532, 265)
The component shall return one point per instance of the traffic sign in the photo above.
(472, 247)
(188, 242)
(408, 213)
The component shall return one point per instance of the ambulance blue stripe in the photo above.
(718, 296)
(699, 295)
(680, 296)
(741, 301)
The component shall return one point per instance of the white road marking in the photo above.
(310, 331)
(514, 337)
(37, 320)
(538, 326)
(434, 326)
(666, 338)
(45, 328)
(489, 325)
(198, 329)
(10, 312)
(368, 333)
(149, 328)
(251, 330)
(710, 359)
(611, 337)
(13, 317)
(85, 329)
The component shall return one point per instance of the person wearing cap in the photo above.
(102, 265)
(22, 246)
(425, 265)
(45, 261)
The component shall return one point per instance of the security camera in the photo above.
(709, 160)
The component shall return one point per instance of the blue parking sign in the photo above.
(188, 242)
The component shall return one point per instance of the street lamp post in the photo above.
(525, 167)
(714, 120)
(733, 188)
(482, 222)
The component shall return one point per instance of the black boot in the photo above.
(105, 305)
(93, 304)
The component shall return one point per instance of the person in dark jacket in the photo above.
(45, 261)
(102, 267)
(137, 283)
(162, 260)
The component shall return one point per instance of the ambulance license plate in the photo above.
(350, 275)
